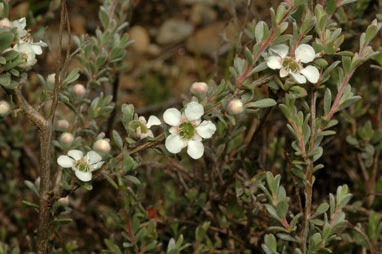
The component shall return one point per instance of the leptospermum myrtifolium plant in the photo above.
(218, 197)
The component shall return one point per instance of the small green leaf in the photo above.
(5, 79)
(117, 139)
(32, 187)
(117, 53)
(111, 181)
(6, 39)
(104, 18)
(259, 31)
(62, 221)
(322, 208)
(264, 103)
(327, 101)
(27, 203)
(133, 179)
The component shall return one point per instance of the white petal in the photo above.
(142, 119)
(299, 78)
(305, 53)
(174, 144)
(274, 62)
(93, 157)
(36, 49)
(195, 149)
(76, 154)
(172, 116)
(150, 134)
(194, 111)
(65, 161)
(206, 129)
(153, 120)
(83, 176)
(41, 44)
(283, 73)
(311, 73)
(96, 165)
(281, 50)
(173, 130)
(22, 22)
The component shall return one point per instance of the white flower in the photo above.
(188, 130)
(279, 59)
(20, 25)
(29, 52)
(83, 166)
(142, 128)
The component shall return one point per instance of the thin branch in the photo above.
(309, 175)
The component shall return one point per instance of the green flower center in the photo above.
(138, 124)
(186, 130)
(291, 65)
(82, 166)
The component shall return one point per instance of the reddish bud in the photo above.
(102, 145)
(4, 107)
(235, 106)
(66, 138)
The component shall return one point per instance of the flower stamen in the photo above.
(186, 130)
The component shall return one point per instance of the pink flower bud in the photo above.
(64, 201)
(5, 23)
(63, 124)
(52, 78)
(102, 145)
(4, 107)
(66, 138)
(199, 88)
(235, 106)
(79, 90)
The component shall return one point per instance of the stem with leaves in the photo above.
(309, 174)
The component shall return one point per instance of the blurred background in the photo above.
(177, 42)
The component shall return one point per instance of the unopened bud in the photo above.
(102, 145)
(64, 201)
(235, 106)
(4, 107)
(79, 90)
(63, 124)
(66, 138)
(5, 23)
(199, 88)
(52, 78)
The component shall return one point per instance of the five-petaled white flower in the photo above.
(279, 59)
(29, 50)
(188, 129)
(142, 128)
(24, 42)
(83, 166)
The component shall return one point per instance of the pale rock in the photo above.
(141, 38)
(174, 31)
(206, 40)
(202, 14)
(154, 50)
